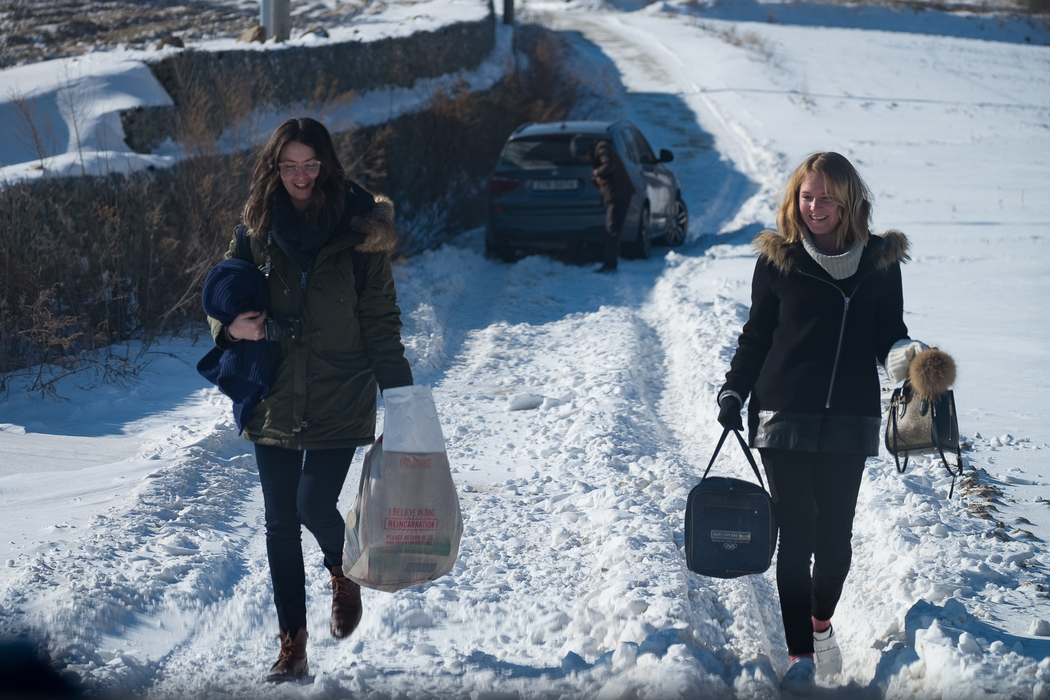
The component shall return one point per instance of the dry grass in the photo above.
(37, 30)
(750, 41)
(90, 261)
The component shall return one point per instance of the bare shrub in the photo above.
(216, 108)
(51, 337)
(71, 100)
(120, 256)
(34, 131)
(750, 41)
(215, 112)
(327, 97)
(44, 320)
(434, 163)
(1038, 7)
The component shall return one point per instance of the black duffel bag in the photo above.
(730, 525)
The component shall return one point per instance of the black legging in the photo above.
(816, 497)
(300, 488)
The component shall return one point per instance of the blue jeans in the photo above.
(816, 496)
(300, 488)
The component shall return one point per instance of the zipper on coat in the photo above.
(838, 351)
(842, 331)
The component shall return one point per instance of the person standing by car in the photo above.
(323, 244)
(826, 303)
(616, 186)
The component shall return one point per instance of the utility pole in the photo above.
(275, 16)
(508, 11)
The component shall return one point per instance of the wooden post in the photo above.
(508, 11)
(275, 16)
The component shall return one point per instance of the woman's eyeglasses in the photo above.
(310, 167)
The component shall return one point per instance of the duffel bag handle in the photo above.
(743, 446)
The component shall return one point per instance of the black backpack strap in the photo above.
(243, 251)
(743, 446)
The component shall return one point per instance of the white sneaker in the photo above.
(826, 651)
(800, 678)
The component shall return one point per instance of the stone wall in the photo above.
(295, 74)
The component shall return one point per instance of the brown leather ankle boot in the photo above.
(291, 662)
(346, 604)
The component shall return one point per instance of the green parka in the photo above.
(323, 394)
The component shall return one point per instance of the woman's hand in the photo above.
(248, 326)
(900, 356)
(729, 412)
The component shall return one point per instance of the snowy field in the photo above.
(578, 411)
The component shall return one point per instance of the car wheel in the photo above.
(678, 226)
(641, 246)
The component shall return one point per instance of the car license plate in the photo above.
(555, 185)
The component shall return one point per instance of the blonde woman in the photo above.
(826, 306)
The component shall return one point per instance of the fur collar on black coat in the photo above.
(885, 250)
(808, 355)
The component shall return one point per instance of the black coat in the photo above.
(613, 178)
(808, 353)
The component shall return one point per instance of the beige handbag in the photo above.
(917, 425)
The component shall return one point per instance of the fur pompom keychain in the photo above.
(931, 373)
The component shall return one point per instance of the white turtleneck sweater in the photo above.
(838, 266)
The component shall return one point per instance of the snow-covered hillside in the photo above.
(578, 411)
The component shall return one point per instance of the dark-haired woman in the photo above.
(826, 306)
(324, 245)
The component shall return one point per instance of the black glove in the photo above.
(729, 412)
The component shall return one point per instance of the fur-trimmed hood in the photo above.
(377, 227)
(887, 249)
(367, 222)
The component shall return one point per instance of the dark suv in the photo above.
(543, 199)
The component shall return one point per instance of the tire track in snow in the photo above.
(603, 480)
(696, 325)
(576, 469)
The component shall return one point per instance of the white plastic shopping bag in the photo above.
(405, 526)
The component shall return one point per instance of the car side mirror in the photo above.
(665, 156)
